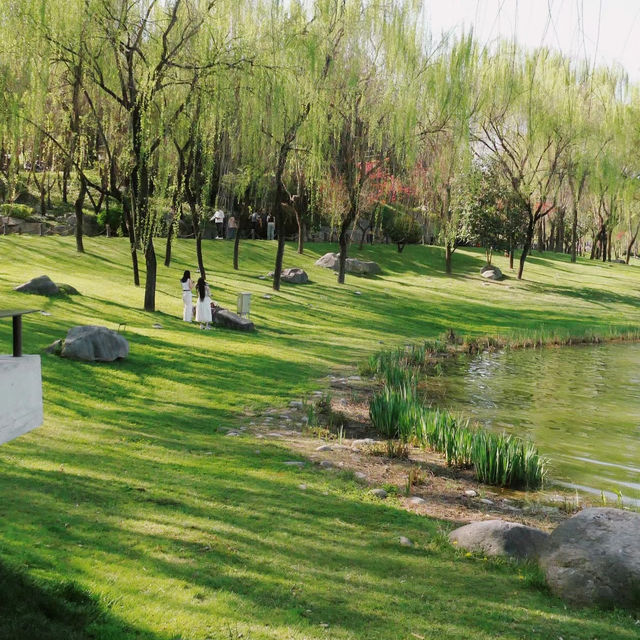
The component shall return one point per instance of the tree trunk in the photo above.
(279, 257)
(604, 240)
(631, 243)
(150, 281)
(448, 254)
(343, 243)
(167, 254)
(236, 244)
(574, 235)
(511, 258)
(126, 206)
(77, 205)
(526, 247)
(300, 232)
(540, 237)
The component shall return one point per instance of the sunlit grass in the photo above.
(132, 504)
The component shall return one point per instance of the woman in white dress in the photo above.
(203, 306)
(187, 297)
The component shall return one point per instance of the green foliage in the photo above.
(400, 224)
(20, 211)
(111, 217)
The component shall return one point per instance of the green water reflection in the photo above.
(580, 405)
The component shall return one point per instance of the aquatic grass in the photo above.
(506, 461)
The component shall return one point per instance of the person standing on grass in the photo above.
(218, 219)
(203, 307)
(271, 227)
(232, 227)
(255, 218)
(187, 297)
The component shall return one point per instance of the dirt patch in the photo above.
(339, 437)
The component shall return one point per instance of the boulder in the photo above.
(362, 267)
(94, 344)
(230, 320)
(594, 559)
(42, 285)
(353, 265)
(294, 276)
(68, 290)
(328, 261)
(491, 272)
(500, 538)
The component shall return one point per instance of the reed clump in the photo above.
(397, 413)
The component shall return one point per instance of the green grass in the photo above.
(130, 515)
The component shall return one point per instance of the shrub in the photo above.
(21, 211)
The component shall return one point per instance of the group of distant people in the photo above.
(203, 304)
(261, 225)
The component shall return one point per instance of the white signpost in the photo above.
(20, 386)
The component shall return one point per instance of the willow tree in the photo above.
(367, 112)
(519, 129)
(146, 58)
(297, 56)
(447, 101)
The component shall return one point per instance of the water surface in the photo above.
(580, 405)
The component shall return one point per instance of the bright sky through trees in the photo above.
(605, 30)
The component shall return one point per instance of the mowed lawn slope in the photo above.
(129, 514)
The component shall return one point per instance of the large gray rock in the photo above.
(68, 290)
(352, 265)
(294, 276)
(491, 272)
(594, 559)
(230, 320)
(94, 344)
(500, 538)
(42, 285)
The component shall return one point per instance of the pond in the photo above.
(580, 405)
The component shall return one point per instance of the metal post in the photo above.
(17, 336)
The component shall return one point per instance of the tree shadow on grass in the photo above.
(46, 610)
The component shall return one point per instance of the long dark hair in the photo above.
(186, 276)
(201, 288)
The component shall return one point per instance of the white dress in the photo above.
(187, 301)
(203, 307)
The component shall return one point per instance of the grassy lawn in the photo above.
(129, 514)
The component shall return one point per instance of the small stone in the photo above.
(273, 434)
(354, 378)
(324, 447)
(362, 443)
(266, 296)
(360, 476)
(417, 501)
(379, 493)
(295, 404)
(294, 463)
(405, 542)
(357, 293)
(470, 493)
(157, 325)
(303, 487)
(326, 464)
(262, 277)
(486, 501)
(232, 433)
(257, 452)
